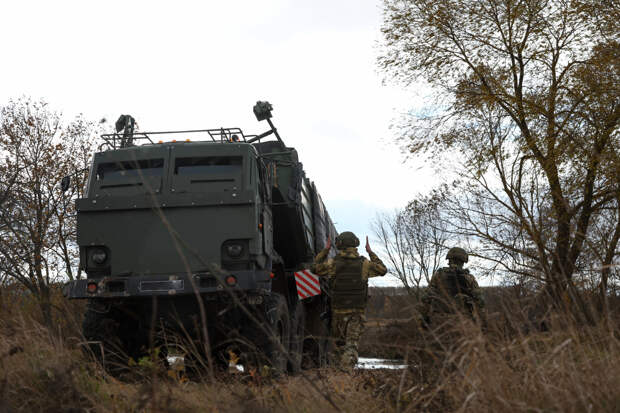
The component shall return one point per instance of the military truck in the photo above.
(201, 235)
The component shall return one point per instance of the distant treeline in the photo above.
(395, 303)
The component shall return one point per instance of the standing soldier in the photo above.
(348, 275)
(452, 289)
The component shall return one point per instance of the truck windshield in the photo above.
(126, 169)
(206, 166)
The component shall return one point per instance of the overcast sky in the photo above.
(185, 64)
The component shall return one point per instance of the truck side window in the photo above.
(212, 165)
(126, 169)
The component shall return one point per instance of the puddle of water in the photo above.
(372, 363)
(174, 360)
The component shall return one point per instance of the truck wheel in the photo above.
(280, 333)
(317, 337)
(298, 331)
(103, 334)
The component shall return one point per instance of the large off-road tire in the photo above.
(317, 337)
(267, 342)
(106, 339)
(279, 332)
(298, 333)
(101, 334)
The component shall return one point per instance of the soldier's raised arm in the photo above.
(320, 265)
(375, 267)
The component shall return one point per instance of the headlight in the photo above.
(234, 250)
(98, 256)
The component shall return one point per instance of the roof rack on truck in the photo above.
(128, 137)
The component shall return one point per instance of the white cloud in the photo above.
(192, 64)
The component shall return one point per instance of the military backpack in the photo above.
(453, 287)
(453, 282)
(349, 290)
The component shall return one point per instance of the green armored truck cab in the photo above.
(201, 237)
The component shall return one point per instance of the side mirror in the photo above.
(65, 183)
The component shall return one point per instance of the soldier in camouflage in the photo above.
(452, 289)
(348, 275)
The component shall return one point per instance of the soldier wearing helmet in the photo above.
(452, 289)
(348, 275)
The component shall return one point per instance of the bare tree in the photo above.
(597, 266)
(530, 103)
(413, 240)
(36, 219)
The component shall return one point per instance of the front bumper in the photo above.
(165, 285)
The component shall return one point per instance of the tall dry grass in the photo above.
(567, 369)
(508, 366)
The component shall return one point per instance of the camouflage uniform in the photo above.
(347, 324)
(451, 290)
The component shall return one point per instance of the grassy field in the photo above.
(506, 367)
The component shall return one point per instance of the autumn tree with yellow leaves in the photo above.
(37, 219)
(527, 99)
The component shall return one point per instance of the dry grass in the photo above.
(568, 370)
(461, 368)
(40, 373)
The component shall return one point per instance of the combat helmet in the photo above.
(347, 239)
(458, 254)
